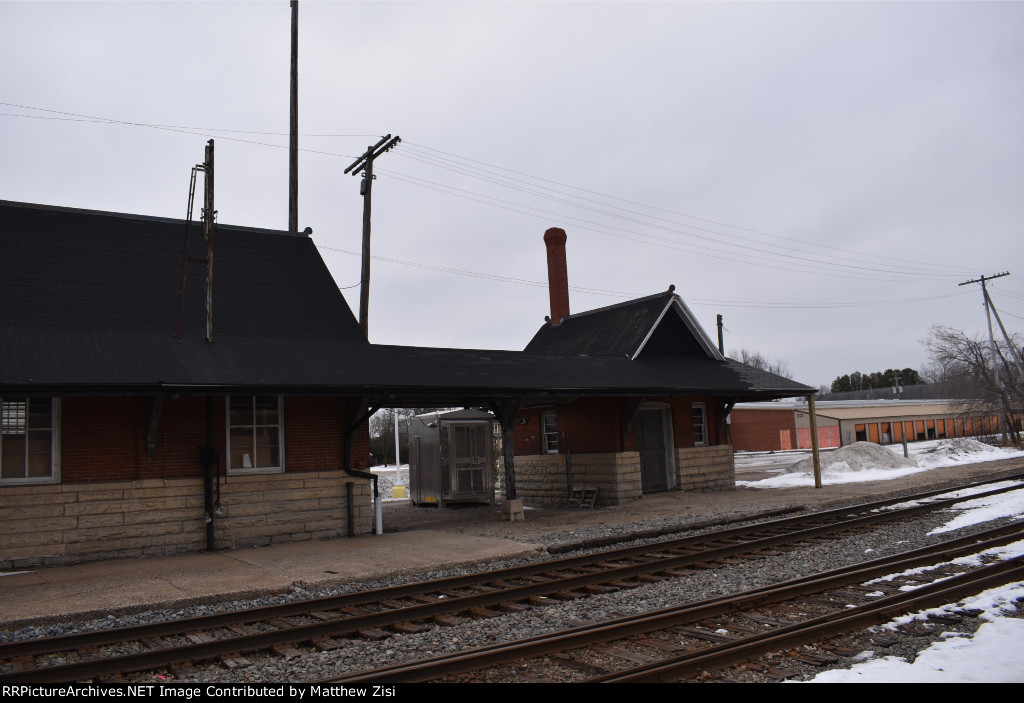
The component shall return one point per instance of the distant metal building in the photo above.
(786, 425)
(451, 458)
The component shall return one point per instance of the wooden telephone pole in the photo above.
(293, 138)
(365, 164)
(209, 220)
(992, 345)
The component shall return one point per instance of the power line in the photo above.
(605, 292)
(788, 262)
(184, 130)
(671, 212)
(107, 120)
(546, 214)
(745, 246)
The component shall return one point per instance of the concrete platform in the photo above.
(125, 585)
(415, 540)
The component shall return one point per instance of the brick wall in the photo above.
(758, 430)
(599, 424)
(74, 523)
(593, 424)
(104, 439)
(604, 453)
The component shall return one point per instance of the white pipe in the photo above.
(377, 512)
(398, 455)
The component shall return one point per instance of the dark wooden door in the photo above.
(653, 447)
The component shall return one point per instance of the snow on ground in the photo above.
(993, 654)
(388, 477)
(866, 461)
(999, 506)
(1004, 505)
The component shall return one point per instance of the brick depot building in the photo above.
(120, 437)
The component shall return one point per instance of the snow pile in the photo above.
(858, 456)
(959, 450)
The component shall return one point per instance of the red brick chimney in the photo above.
(558, 276)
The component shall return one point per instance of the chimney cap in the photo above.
(554, 235)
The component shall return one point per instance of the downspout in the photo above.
(347, 466)
(568, 466)
(208, 457)
(724, 430)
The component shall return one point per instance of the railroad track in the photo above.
(325, 623)
(696, 638)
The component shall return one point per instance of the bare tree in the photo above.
(382, 431)
(967, 364)
(760, 361)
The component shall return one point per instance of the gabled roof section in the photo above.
(463, 374)
(90, 298)
(659, 324)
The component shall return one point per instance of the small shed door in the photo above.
(654, 447)
(469, 458)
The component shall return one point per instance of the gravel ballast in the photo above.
(558, 530)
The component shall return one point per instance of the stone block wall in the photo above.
(705, 468)
(541, 477)
(73, 523)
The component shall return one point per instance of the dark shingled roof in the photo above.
(626, 329)
(89, 301)
(415, 369)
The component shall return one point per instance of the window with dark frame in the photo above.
(254, 434)
(27, 440)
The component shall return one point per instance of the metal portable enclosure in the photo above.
(451, 458)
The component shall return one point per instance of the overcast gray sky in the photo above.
(822, 174)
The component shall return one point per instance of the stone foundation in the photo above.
(541, 478)
(705, 468)
(73, 523)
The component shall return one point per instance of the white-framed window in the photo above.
(549, 432)
(700, 424)
(29, 440)
(255, 434)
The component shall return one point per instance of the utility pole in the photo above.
(992, 341)
(1015, 389)
(209, 217)
(293, 140)
(365, 164)
(209, 220)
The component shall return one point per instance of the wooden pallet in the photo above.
(583, 498)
